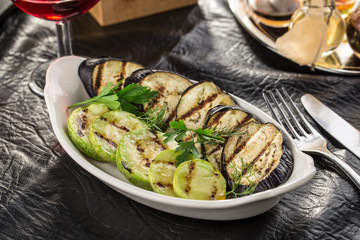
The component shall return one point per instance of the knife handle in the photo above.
(343, 166)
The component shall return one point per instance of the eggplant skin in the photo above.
(96, 73)
(260, 145)
(276, 178)
(137, 75)
(280, 174)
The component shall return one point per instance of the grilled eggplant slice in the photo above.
(223, 118)
(197, 100)
(198, 179)
(170, 86)
(96, 73)
(280, 174)
(79, 124)
(107, 131)
(135, 153)
(255, 153)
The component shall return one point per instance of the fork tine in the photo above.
(290, 112)
(303, 119)
(269, 106)
(284, 118)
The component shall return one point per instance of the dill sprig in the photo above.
(238, 175)
(155, 119)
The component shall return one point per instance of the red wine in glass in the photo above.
(55, 10)
(59, 11)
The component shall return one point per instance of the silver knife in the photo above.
(341, 130)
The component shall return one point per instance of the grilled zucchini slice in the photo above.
(96, 73)
(161, 172)
(79, 124)
(135, 153)
(170, 86)
(223, 118)
(198, 179)
(107, 131)
(260, 146)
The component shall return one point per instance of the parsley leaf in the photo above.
(124, 99)
(178, 125)
(185, 148)
(137, 94)
(190, 148)
(206, 136)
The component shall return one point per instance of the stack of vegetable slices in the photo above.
(175, 137)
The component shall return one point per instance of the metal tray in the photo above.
(341, 61)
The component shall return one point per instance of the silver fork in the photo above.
(304, 135)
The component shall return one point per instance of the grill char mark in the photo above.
(216, 118)
(82, 122)
(106, 139)
(125, 129)
(165, 162)
(243, 121)
(172, 116)
(196, 109)
(123, 70)
(147, 161)
(214, 192)
(157, 140)
(241, 146)
(217, 148)
(161, 89)
(163, 185)
(98, 77)
(125, 167)
(122, 74)
(188, 176)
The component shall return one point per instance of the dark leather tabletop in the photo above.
(44, 194)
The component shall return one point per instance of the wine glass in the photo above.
(59, 11)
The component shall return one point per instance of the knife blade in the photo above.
(337, 127)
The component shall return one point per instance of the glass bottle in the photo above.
(273, 13)
(353, 29)
(332, 17)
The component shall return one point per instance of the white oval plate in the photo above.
(63, 88)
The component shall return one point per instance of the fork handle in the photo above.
(354, 177)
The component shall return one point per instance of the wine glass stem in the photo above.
(64, 39)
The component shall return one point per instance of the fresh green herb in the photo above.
(154, 118)
(123, 99)
(187, 148)
(206, 136)
(247, 170)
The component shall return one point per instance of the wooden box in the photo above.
(108, 12)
